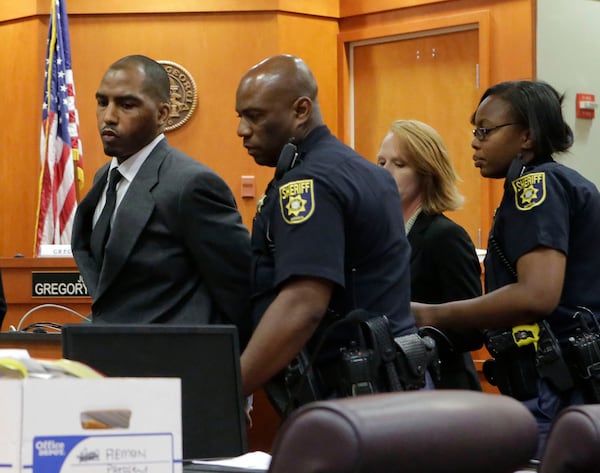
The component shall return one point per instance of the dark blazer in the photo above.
(177, 253)
(444, 267)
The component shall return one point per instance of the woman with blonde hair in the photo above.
(444, 264)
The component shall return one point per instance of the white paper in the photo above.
(257, 460)
(18, 353)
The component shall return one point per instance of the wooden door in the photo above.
(427, 77)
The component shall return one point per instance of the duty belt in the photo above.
(517, 337)
(547, 353)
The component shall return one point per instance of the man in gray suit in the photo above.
(176, 251)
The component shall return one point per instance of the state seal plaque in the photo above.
(184, 95)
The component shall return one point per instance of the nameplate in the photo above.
(55, 251)
(58, 284)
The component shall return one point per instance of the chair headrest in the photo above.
(417, 431)
(574, 441)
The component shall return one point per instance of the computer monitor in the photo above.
(206, 358)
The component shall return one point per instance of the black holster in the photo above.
(515, 369)
(513, 372)
(373, 369)
(395, 364)
(375, 362)
(416, 356)
(295, 386)
(584, 357)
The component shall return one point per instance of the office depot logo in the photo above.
(50, 448)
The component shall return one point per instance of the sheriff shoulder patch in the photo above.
(297, 201)
(530, 190)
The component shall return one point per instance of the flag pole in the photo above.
(61, 176)
(49, 61)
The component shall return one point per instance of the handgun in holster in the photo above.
(521, 356)
(382, 362)
(551, 364)
(293, 386)
(417, 355)
(405, 360)
(512, 368)
(300, 380)
(584, 355)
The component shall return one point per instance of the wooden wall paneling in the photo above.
(363, 7)
(315, 40)
(9, 9)
(329, 8)
(21, 96)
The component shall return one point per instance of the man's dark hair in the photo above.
(157, 80)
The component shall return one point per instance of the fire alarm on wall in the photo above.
(585, 105)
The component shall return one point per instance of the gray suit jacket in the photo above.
(178, 251)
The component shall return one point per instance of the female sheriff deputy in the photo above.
(542, 269)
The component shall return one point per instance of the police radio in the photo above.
(287, 159)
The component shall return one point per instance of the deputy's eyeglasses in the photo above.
(482, 133)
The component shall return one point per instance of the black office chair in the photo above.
(408, 432)
(573, 444)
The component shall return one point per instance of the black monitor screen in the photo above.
(206, 358)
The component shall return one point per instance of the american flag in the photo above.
(61, 177)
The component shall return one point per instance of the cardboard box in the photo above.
(41, 429)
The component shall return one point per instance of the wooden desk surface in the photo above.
(39, 345)
(37, 263)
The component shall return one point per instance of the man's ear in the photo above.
(164, 109)
(303, 108)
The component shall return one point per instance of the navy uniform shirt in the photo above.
(552, 206)
(335, 216)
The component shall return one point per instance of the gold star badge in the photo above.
(530, 190)
(297, 201)
(528, 195)
(296, 205)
